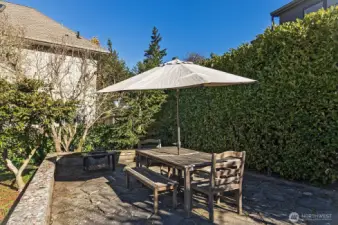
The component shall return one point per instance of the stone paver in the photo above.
(101, 197)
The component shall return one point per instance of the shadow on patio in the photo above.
(101, 197)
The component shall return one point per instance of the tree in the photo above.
(154, 54)
(11, 45)
(26, 114)
(145, 104)
(69, 74)
(95, 41)
(195, 58)
(58, 71)
(111, 69)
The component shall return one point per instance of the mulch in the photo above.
(8, 195)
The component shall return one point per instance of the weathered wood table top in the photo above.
(186, 158)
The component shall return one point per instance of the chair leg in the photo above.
(239, 201)
(191, 196)
(127, 181)
(175, 197)
(169, 172)
(211, 207)
(179, 175)
(155, 201)
(147, 163)
(218, 198)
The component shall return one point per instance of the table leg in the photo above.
(187, 192)
(147, 162)
(137, 160)
(108, 158)
(113, 161)
(84, 163)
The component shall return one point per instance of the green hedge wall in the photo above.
(288, 121)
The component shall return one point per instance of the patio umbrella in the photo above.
(177, 74)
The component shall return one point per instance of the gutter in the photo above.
(286, 7)
(49, 44)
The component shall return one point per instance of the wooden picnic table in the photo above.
(188, 160)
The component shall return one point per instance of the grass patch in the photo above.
(8, 189)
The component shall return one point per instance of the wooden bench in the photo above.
(154, 181)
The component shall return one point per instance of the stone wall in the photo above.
(34, 205)
(75, 159)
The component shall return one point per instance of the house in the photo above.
(52, 53)
(297, 9)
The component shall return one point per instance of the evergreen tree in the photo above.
(154, 54)
(111, 70)
(145, 104)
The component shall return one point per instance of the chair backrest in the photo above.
(149, 143)
(98, 150)
(227, 170)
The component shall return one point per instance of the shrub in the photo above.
(109, 137)
(288, 122)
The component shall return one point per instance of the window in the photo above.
(313, 8)
(331, 3)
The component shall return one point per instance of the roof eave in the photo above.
(50, 44)
(286, 7)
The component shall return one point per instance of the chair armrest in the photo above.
(204, 170)
(196, 182)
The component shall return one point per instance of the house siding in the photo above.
(35, 64)
(297, 12)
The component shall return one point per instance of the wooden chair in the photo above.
(149, 143)
(225, 174)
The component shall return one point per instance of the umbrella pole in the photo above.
(178, 122)
(208, 97)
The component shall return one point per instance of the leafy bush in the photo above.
(109, 137)
(288, 122)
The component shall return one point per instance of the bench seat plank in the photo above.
(154, 181)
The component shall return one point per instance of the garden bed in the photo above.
(9, 191)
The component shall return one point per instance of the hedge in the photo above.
(288, 121)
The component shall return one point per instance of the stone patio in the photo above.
(101, 197)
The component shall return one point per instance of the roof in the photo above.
(39, 27)
(286, 7)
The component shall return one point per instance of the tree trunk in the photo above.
(19, 181)
(82, 140)
(69, 134)
(18, 177)
(56, 138)
(57, 144)
(18, 172)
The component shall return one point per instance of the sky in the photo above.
(199, 26)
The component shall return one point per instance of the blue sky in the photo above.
(202, 26)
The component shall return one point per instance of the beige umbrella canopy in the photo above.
(177, 74)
